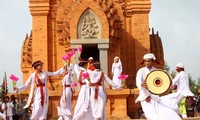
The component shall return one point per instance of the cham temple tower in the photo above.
(104, 29)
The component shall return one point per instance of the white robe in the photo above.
(116, 71)
(2, 115)
(65, 107)
(82, 109)
(183, 90)
(9, 107)
(99, 105)
(39, 112)
(155, 109)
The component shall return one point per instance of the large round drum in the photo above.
(158, 82)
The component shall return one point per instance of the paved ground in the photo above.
(145, 119)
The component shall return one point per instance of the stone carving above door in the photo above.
(89, 26)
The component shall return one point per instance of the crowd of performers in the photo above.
(91, 101)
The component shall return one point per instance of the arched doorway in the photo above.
(90, 50)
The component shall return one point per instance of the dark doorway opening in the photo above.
(90, 50)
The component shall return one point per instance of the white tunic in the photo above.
(2, 115)
(116, 71)
(182, 82)
(183, 90)
(39, 112)
(155, 109)
(99, 104)
(83, 109)
(65, 107)
(9, 107)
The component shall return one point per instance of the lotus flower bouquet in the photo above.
(85, 75)
(68, 56)
(123, 77)
(71, 54)
(79, 49)
(14, 80)
(73, 86)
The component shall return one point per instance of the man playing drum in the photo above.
(153, 108)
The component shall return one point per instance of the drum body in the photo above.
(158, 82)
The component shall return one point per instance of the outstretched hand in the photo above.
(15, 89)
(65, 67)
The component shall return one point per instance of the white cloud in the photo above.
(178, 24)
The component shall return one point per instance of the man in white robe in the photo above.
(183, 89)
(153, 108)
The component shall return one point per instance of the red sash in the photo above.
(40, 85)
(96, 85)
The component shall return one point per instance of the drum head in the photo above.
(158, 82)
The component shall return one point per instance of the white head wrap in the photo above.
(149, 56)
(90, 58)
(119, 60)
(180, 65)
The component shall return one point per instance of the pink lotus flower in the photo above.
(66, 57)
(123, 77)
(74, 84)
(70, 54)
(85, 75)
(14, 78)
(73, 51)
(79, 49)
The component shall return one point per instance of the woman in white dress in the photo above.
(65, 103)
(82, 109)
(153, 108)
(40, 94)
(116, 70)
(98, 93)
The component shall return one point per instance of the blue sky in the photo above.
(178, 23)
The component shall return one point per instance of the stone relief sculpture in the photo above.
(27, 51)
(90, 28)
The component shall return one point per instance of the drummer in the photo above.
(183, 90)
(151, 105)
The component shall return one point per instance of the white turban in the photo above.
(149, 56)
(180, 65)
(120, 63)
(90, 58)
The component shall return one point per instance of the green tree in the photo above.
(198, 84)
(191, 83)
(166, 67)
